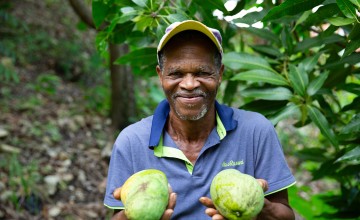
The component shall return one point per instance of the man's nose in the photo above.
(189, 82)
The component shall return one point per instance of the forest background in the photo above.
(74, 73)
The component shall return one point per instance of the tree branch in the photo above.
(83, 11)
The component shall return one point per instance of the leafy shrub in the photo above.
(296, 66)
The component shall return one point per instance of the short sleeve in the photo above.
(270, 162)
(120, 168)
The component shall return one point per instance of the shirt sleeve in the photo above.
(120, 169)
(270, 162)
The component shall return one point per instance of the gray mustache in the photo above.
(189, 94)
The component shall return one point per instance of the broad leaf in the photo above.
(326, 11)
(211, 5)
(353, 126)
(318, 41)
(119, 37)
(290, 111)
(298, 78)
(311, 154)
(355, 32)
(141, 3)
(302, 18)
(291, 7)
(99, 12)
(310, 62)
(267, 50)
(356, 2)
(128, 13)
(340, 21)
(143, 22)
(230, 92)
(355, 104)
(279, 93)
(351, 47)
(327, 168)
(250, 18)
(176, 17)
(317, 83)
(352, 59)
(352, 155)
(264, 107)
(320, 121)
(350, 87)
(347, 8)
(264, 34)
(261, 76)
(238, 61)
(101, 42)
(143, 56)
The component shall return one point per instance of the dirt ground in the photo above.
(53, 150)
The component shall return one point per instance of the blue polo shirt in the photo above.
(241, 140)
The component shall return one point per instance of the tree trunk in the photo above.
(122, 87)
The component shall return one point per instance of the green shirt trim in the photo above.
(114, 207)
(288, 186)
(220, 127)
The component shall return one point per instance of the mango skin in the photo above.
(145, 195)
(236, 196)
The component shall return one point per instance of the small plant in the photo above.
(47, 83)
(23, 180)
(7, 70)
(98, 99)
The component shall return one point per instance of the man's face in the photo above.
(190, 78)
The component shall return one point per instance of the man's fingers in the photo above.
(207, 202)
(119, 216)
(211, 212)
(264, 184)
(117, 193)
(172, 201)
(218, 217)
(167, 214)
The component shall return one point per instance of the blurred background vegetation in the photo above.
(74, 73)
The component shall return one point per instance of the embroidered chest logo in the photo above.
(232, 163)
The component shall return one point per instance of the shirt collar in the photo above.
(162, 112)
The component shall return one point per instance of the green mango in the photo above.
(145, 195)
(236, 196)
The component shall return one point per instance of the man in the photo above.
(191, 137)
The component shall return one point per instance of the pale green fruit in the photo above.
(145, 195)
(236, 195)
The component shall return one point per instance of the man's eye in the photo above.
(175, 74)
(203, 73)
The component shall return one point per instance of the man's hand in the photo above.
(211, 210)
(120, 215)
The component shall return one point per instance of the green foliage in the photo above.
(296, 66)
(98, 99)
(23, 179)
(47, 83)
(311, 207)
(7, 69)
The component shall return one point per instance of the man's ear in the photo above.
(159, 72)
(221, 71)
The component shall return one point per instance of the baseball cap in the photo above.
(177, 27)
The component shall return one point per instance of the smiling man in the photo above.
(191, 137)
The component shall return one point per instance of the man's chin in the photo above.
(192, 116)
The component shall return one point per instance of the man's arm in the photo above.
(277, 206)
